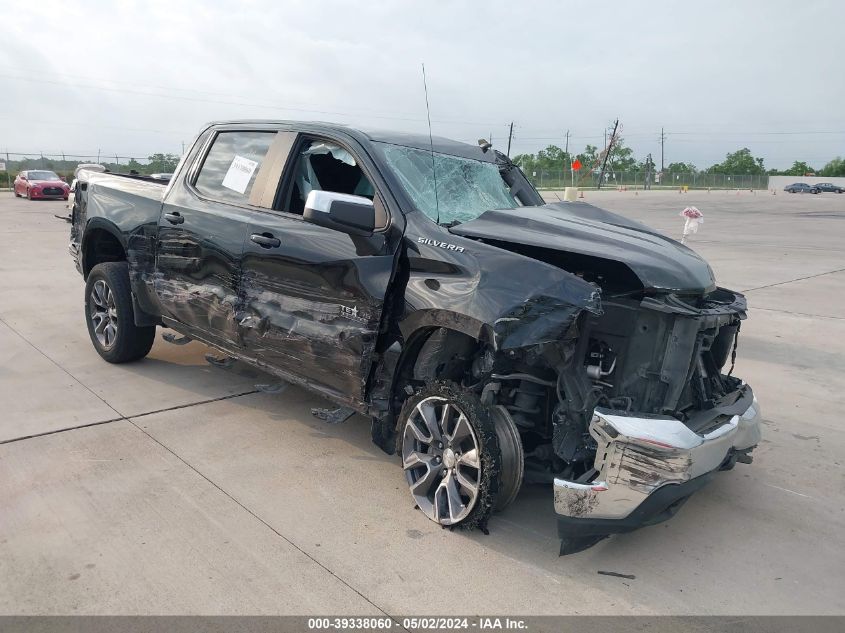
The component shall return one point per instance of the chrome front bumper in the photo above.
(638, 456)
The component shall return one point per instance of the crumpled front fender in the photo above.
(505, 299)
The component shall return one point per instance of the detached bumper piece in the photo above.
(647, 467)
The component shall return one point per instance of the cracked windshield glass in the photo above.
(466, 188)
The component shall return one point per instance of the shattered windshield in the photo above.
(466, 188)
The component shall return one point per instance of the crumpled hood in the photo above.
(659, 262)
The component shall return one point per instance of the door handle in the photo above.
(265, 240)
(174, 218)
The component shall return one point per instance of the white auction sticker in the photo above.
(240, 171)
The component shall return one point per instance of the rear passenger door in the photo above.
(201, 233)
(314, 296)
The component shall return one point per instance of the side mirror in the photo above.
(355, 215)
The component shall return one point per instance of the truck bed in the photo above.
(128, 201)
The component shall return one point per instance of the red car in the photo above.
(36, 184)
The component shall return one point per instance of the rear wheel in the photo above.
(110, 316)
(450, 455)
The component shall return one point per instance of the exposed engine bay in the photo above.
(652, 356)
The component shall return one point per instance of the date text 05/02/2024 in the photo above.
(423, 623)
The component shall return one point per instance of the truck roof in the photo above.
(441, 144)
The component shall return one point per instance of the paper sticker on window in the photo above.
(239, 174)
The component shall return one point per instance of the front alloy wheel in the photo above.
(450, 455)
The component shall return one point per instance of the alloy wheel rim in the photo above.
(103, 314)
(441, 460)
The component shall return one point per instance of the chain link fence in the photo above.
(64, 164)
(12, 163)
(642, 180)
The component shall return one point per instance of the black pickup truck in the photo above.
(491, 338)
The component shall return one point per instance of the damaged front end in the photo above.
(648, 414)
(636, 406)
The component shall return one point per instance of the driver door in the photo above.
(314, 296)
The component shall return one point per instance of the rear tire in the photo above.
(110, 316)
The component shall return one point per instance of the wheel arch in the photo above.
(395, 374)
(429, 347)
(102, 242)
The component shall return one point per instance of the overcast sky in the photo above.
(135, 78)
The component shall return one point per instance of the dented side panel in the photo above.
(313, 306)
(197, 277)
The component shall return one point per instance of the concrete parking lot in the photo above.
(173, 487)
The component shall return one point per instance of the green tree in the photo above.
(680, 168)
(799, 168)
(134, 165)
(621, 157)
(589, 158)
(836, 167)
(552, 159)
(740, 162)
(164, 163)
(526, 162)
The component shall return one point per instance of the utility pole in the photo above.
(662, 141)
(607, 151)
(649, 168)
(510, 136)
(566, 151)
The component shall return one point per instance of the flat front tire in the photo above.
(450, 455)
(110, 317)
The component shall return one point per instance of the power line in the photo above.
(269, 106)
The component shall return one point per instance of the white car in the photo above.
(90, 167)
